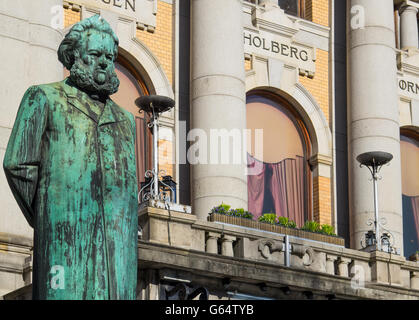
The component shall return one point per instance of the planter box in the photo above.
(216, 217)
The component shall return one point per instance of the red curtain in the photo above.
(255, 186)
(287, 189)
(285, 183)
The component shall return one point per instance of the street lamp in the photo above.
(154, 106)
(374, 162)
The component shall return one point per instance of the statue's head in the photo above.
(89, 51)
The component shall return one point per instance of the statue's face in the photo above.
(94, 68)
(97, 54)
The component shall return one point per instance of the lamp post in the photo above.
(154, 105)
(374, 162)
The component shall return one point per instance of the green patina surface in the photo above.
(70, 163)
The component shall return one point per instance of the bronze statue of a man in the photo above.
(70, 164)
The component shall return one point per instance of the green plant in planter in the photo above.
(312, 226)
(285, 222)
(292, 224)
(247, 215)
(240, 213)
(236, 212)
(268, 218)
(221, 209)
(328, 229)
(225, 209)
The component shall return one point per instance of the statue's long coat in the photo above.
(72, 171)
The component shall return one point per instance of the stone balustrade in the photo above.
(357, 269)
(175, 245)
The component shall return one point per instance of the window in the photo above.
(409, 147)
(283, 183)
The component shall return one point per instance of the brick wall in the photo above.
(166, 156)
(319, 85)
(322, 200)
(317, 11)
(71, 16)
(161, 41)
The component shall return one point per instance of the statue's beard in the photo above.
(84, 78)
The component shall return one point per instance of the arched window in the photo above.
(409, 147)
(283, 183)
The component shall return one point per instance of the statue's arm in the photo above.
(23, 154)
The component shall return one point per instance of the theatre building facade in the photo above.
(275, 102)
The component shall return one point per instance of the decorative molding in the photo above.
(269, 32)
(302, 251)
(408, 61)
(269, 246)
(320, 159)
(273, 19)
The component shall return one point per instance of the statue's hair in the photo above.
(71, 42)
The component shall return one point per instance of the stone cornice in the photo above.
(273, 19)
(411, 3)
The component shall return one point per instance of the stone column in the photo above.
(343, 266)
(227, 245)
(330, 263)
(218, 102)
(373, 117)
(408, 27)
(28, 56)
(212, 242)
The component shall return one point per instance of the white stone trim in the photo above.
(157, 81)
(313, 115)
